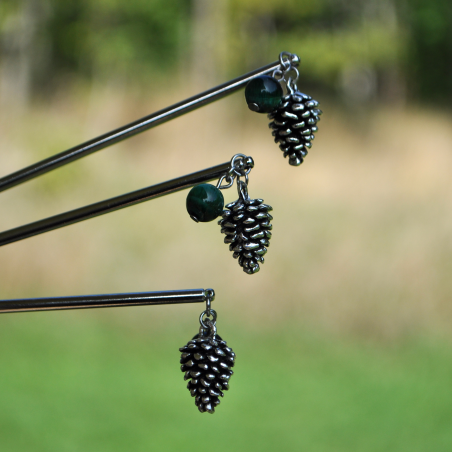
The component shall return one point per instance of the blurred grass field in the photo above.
(72, 382)
(343, 338)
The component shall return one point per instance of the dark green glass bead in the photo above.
(263, 94)
(205, 203)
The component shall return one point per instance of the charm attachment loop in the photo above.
(207, 323)
(287, 72)
(242, 188)
(241, 165)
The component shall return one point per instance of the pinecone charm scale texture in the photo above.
(247, 226)
(294, 123)
(207, 363)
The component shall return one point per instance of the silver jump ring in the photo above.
(234, 167)
(286, 62)
(287, 71)
(212, 322)
(244, 167)
(211, 329)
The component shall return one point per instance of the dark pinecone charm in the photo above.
(207, 363)
(247, 228)
(294, 123)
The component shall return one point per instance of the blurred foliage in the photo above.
(329, 35)
(108, 36)
(430, 47)
(98, 38)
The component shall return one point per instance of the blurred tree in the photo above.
(209, 39)
(339, 42)
(111, 36)
(364, 48)
(89, 38)
(428, 62)
(22, 49)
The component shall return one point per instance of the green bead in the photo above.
(263, 94)
(205, 203)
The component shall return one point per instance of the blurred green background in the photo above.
(344, 336)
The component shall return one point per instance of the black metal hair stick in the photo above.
(132, 129)
(112, 204)
(107, 300)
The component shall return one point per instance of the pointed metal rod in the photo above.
(107, 300)
(112, 204)
(132, 129)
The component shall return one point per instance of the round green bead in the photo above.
(205, 202)
(263, 94)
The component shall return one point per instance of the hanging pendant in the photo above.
(207, 362)
(294, 124)
(293, 116)
(245, 222)
(247, 226)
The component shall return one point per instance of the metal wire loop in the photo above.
(278, 74)
(229, 181)
(285, 60)
(241, 165)
(210, 293)
(209, 300)
(237, 164)
(209, 330)
(291, 87)
(291, 82)
(288, 74)
(287, 71)
(208, 323)
(242, 188)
